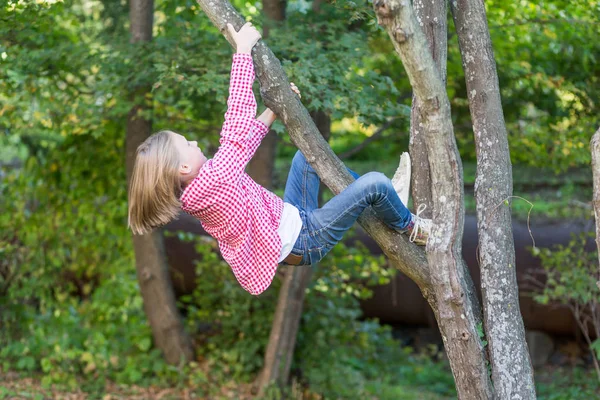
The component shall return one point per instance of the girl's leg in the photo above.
(328, 224)
(302, 186)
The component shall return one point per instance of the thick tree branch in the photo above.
(278, 96)
(457, 311)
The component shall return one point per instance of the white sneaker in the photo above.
(401, 179)
(420, 229)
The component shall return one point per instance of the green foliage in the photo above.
(71, 302)
(548, 71)
(571, 273)
(106, 337)
(324, 56)
(71, 305)
(571, 279)
(233, 326)
(71, 308)
(330, 323)
(481, 334)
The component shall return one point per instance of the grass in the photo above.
(552, 383)
(396, 392)
(30, 388)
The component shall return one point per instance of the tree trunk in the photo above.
(260, 168)
(284, 330)
(282, 340)
(595, 149)
(457, 311)
(150, 260)
(278, 96)
(431, 15)
(512, 372)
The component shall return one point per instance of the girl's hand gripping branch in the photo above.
(245, 39)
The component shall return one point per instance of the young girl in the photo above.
(255, 229)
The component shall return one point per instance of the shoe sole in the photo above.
(400, 178)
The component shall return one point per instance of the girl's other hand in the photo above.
(295, 89)
(246, 38)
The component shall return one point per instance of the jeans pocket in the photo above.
(316, 254)
(324, 250)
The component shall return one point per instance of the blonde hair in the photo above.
(155, 184)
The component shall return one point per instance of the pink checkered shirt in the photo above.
(242, 215)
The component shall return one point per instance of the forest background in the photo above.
(71, 312)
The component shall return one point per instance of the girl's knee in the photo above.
(376, 179)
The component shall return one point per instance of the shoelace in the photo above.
(419, 224)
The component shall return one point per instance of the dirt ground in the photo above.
(14, 387)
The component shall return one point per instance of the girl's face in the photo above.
(191, 157)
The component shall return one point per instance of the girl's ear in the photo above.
(185, 169)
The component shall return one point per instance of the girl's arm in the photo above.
(267, 117)
(241, 131)
(241, 102)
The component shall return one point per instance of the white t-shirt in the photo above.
(289, 229)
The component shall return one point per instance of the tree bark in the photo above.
(150, 260)
(512, 371)
(282, 340)
(457, 310)
(431, 15)
(260, 168)
(595, 149)
(278, 96)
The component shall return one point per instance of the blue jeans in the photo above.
(323, 227)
